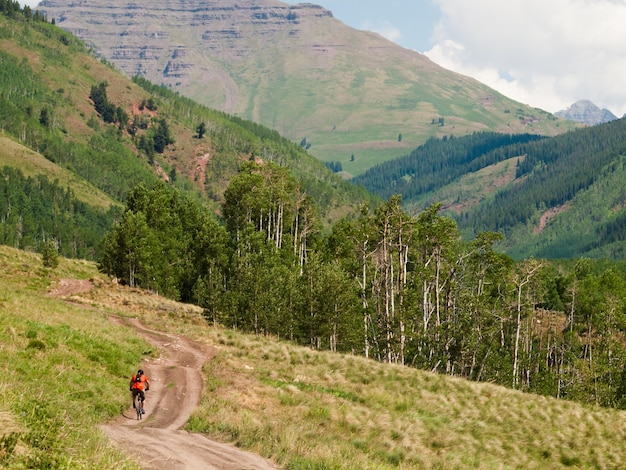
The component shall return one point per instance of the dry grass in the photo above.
(315, 410)
(304, 406)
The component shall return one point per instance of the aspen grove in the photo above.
(381, 283)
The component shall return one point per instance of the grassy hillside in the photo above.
(304, 409)
(58, 359)
(32, 163)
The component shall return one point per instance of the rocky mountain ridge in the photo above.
(181, 43)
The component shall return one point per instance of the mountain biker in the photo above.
(139, 385)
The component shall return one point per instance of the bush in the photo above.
(50, 255)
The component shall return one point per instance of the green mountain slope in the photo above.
(355, 97)
(93, 135)
(557, 197)
(33, 164)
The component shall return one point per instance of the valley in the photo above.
(260, 396)
(447, 313)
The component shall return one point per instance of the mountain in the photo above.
(77, 169)
(78, 136)
(553, 197)
(584, 111)
(349, 96)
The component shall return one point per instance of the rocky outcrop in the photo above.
(129, 34)
(586, 112)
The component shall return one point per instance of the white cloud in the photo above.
(385, 29)
(546, 54)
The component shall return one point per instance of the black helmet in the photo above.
(140, 372)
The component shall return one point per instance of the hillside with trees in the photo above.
(556, 197)
(385, 285)
(440, 162)
(75, 119)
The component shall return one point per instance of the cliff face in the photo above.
(296, 69)
(176, 42)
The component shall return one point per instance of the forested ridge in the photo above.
(441, 161)
(13, 9)
(551, 174)
(35, 210)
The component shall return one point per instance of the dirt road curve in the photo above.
(175, 389)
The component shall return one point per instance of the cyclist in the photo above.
(139, 385)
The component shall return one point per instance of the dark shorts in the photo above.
(141, 393)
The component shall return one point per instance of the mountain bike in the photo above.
(138, 405)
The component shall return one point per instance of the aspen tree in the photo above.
(525, 273)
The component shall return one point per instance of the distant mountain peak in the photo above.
(587, 112)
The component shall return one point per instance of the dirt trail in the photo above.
(175, 390)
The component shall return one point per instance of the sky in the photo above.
(544, 53)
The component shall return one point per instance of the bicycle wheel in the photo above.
(138, 407)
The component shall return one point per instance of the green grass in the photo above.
(58, 360)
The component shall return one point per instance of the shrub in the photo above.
(50, 255)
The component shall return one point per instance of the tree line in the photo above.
(383, 284)
(441, 161)
(12, 9)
